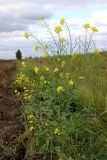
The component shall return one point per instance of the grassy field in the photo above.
(64, 106)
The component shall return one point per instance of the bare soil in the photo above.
(10, 119)
(11, 124)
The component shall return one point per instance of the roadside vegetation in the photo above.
(64, 97)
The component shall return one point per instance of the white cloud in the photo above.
(99, 18)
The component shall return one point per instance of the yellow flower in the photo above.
(15, 91)
(36, 69)
(62, 21)
(86, 25)
(36, 48)
(46, 68)
(26, 35)
(96, 51)
(81, 77)
(30, 129)
(18, 93)
(30, 117)
(63, 63)
(46, 46)
(42, 78)
(62, 40)
(74, 55)
(45, 55)
(56, 70)
(71, 82)
(23, 64)
(57, 131)
(45, 82)
(30, 121)
(58, 29)
(41, 19)
(24, 88)
(94, 29)
(60, 89)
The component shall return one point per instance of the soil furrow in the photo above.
(10, 121)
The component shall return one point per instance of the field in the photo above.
(54, 108)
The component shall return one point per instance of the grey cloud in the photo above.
(14, 18)
(18, 15)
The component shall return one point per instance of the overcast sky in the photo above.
(17, 16)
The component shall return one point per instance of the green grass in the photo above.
(71, 124)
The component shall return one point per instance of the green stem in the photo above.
(85, 41)
(59, 50)
(43, 48)
(51, 34)
(70, 38)
(90, 41)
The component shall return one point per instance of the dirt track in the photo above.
(10, 123)
(10, 120)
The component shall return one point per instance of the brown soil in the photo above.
(10, 120)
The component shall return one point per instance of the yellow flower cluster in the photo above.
(62, 63)
(31, 128)
(25, 89)
(27, 95)
(81, 77)
(62, 40)
(30, 120)
(47, 82)
(23, 64)
(94, 29)
(46, 68)
(41, 19)
(30, 117)
(96, 51)
(57, 131)
(26, 35)
(22, 78)
(58, 29)
(86, 25)
(71, 82)
(56, 70)
(74, 55)
(62, 21)
(42, 78)
(60, 89)
(61, 75)
(16, 92)
(36, 48)
(45, 55)
(36, 69)
(46, 46)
